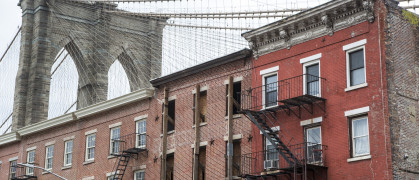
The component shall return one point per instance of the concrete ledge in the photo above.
(235, 137)
(200, 125)
(358, 111)
(235, 116)
(359, 158)
(356, 87)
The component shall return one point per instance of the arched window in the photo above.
(64, 84)
(118, 83)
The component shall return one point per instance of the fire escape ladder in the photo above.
(121, 166)
(273, 137)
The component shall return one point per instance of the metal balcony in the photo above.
(286, 94)
(269, 162)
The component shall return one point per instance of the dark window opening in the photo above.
(236, 97)
(170, 164)
(171, 116)
(312, 77)
(202, 163)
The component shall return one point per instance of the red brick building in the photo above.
(331, 93)
(327, 90)
(90, 142)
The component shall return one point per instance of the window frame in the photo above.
(264, 76)
(139, 171)
(12, 174)
(306, 130)
(28, 158)
(138, 134)
(66, 152)
(352, 138)
(87, 147)
(235, 110)
(349, 49)
(47, 149)
(111, 141)
(308, 64)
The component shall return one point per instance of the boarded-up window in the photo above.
(236, 158)
(202, 106)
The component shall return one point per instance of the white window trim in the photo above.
(351, 48)
(311, 58)
(118, 124)
(263, 89)
(138, 135)
(358, 111)
(135, 172)
(90, 132)
(13, 158)
(87, 148)
(142, 117)
(110, 138)
(65, 153)
(352, 137)
(31, 148)
(46, 157)
(269, 70)
(311, 62)
(311, 121)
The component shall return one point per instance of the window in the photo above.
(202, 106)
(355, 64)
(312, 79)
(270, 90)
(139, 175)
(236, 96)
(141, 133)
(112, 177)
(170, 164)
(360, 136)
(271, 155)
(356, 67)
(114, 143)
(30, 160)
(13, 165)
(202, 163)
(90, 147)
(236, 158)
(314, 144)
(49, 153)
(68, 152)
(171, 113)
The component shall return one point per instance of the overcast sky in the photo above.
(10, 19)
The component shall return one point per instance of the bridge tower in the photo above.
(94, 37)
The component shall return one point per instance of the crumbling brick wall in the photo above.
(402, 42)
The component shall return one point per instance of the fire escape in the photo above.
(130, 146)
(21, 172)
(262, 106)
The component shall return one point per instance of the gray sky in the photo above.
(10, 19)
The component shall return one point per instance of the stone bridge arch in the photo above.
(94, 38)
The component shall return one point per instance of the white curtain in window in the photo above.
(361, 139)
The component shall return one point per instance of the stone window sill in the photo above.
(356, 87)
(359, 158)
(235, 116)
(46, 172)
(111, 156)
(66, 167)
(202, 124)
(88, 162)
(169, 133)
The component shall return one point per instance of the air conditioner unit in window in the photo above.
(271, 164)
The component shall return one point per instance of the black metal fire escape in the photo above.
(130, 146)
(289, 95)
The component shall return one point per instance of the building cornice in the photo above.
(201, 67)
(9, 138)
(319, 21)
(86, 112)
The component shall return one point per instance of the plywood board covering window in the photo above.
(202, 106)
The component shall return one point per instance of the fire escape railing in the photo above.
(277, 93)
(269, 162)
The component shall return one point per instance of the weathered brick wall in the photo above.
(402, 52)
(215, 129)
